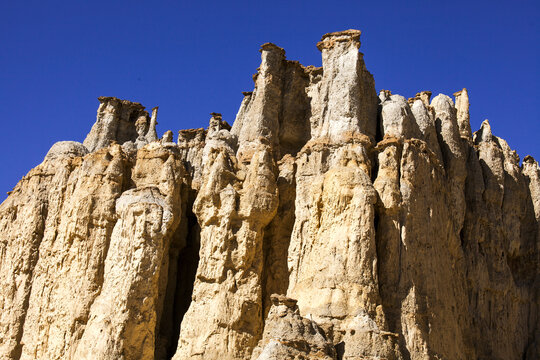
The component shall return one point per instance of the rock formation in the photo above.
(287, 335)
(326, 223)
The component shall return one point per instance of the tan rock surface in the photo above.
(287, 335)
(32, 209)
(399, 233)
(122, 320)
(225, 316)
(69, 272)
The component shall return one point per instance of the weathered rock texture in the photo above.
(388, 229)
(287, 335)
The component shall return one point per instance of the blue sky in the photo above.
(193, 58)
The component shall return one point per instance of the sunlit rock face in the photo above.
(329, 222)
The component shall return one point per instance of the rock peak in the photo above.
(329, 40)
(484, 134)
(118, 121)
(272, 47)
(529, 159)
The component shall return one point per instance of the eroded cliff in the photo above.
(328, 223)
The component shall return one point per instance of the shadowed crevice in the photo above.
(183, 260)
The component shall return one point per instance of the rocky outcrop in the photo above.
(348, 89)
(287, 335)
(55, 271)
(123, 122)
(390, 229)
(122, 319)
(235, 202)
(278, 108)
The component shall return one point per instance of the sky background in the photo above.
(193, 58)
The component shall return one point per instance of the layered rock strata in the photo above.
(326, 223)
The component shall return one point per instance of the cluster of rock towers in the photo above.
(328, 222)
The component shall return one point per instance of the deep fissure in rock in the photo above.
(277, 237)
(188, 261)
(183, 263)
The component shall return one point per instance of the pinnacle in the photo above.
(272, 47)
(484, 134)
(329, 40)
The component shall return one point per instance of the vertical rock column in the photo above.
(33, 206)
(463, 117)
(225, 317)
(116, 122)
(347, 88)
(332, 255)
(429, 260)
(388, 229)
(278, 109)
(454, 155)
(501, 242)
(259, 113)
(69, 273)
(417, 268)
(236, 201)
(123, 318)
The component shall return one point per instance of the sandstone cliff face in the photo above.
(327, 223)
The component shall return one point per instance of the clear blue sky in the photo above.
(194, 57)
